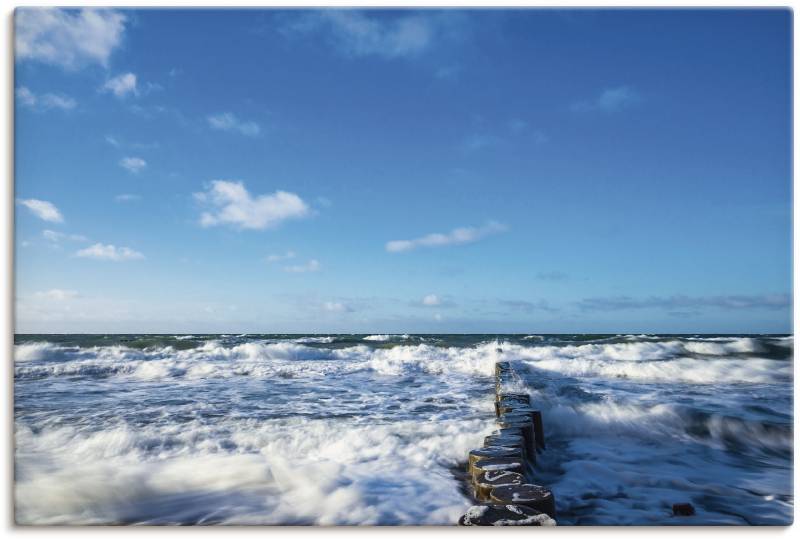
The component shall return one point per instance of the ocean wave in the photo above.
(664, 361)
(275, 431)
(256, 359)
(34, 351)
(320, 340)
(386, 338)
(240, 472)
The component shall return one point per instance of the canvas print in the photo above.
(409, 267)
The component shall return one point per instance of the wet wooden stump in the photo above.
(525, 425)
(526, 412)
(504, 515)
(494, 479)
(508, 440)
(533, 496)
(508, 464)
(510, 400)
(493, 452)
(538, 428)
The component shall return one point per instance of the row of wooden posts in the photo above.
(502, 472)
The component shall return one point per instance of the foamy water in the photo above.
(360, 429)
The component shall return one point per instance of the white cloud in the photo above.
(121, 85)
(55, 237)
(100, 251)
(277, 258)
(431, 300)
(457, 236)
(234, 206)
(353, 33)
(56, 294)
(228, 122)
(43, 210)
(133, 164)
(336, 307)
(66, 37)
(310, 266)
(127, 197)
(609, 100)
(27, 98)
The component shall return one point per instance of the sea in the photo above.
(375, 429)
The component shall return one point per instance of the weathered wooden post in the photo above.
(533, 496)
(494, 479)
(504, 515)
(508, 464)
(476, 455)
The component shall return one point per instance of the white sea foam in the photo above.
(290, 432)
(34, 351)
(255, 359)
(318, 472)
(668, 361)
(320, 340)
(384, 338)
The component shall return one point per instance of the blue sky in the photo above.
(403, 171)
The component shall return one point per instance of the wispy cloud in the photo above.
(673, 303)
(515, 130)
(448, 73)
(127, 197)
(609, 100)
(552, 276)
(288, 255)
(479, 141)
(67, 38)
(121, 85)
(133, 164)
(434, 300)
(457, 236)
(526, 306)
(118, 142)
(43, 210)
(56, 294)
(337, 307)
(355, 33)
(57, 237)
(309, 267)
(101, 251)
(44, 102)
(233, 205)
(226, 121)
(431, 300)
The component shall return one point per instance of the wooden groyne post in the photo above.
(502, 472)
